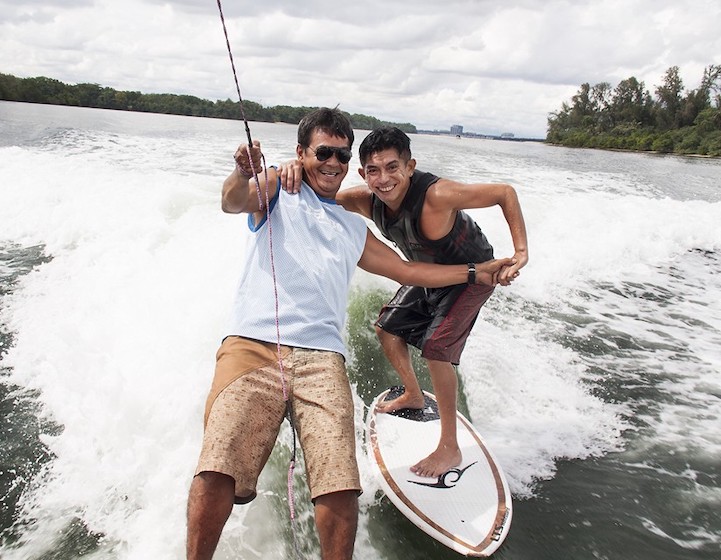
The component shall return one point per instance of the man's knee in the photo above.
(387, 338)
(212, 486)
(379, 331)
(337, 507)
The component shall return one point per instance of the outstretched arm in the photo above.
(380, 259)
(447, 197)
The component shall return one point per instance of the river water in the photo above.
(595, 378)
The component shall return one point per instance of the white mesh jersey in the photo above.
(316, 247)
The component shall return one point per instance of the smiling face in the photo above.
(388, 175)
(324, 177)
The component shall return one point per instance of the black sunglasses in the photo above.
(324, 153)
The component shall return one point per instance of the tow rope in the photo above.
(266, 204)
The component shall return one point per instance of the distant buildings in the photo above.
(457, 131)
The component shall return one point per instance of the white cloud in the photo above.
(493, 67)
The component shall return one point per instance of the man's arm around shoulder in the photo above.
(356, 199)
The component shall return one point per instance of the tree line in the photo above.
(47, 90)
(627, 117)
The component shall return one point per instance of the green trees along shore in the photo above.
(54, 92)
(628, 118)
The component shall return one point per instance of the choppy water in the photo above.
(594, 378)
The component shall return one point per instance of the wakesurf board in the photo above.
(469, 507)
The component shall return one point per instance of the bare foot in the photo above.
(440, 461)
(405, 400)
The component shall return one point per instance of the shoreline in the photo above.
(630, 151)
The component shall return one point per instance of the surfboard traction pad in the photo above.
(427, 414)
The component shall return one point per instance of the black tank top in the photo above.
(464, 243)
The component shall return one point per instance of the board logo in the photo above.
(448, 479)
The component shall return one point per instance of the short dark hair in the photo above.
(330, 121)
(385, 138)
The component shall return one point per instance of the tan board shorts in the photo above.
(245, 410)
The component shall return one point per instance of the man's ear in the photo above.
(411, 166)
(362, 172)
(299, 151)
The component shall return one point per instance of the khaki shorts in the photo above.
(245, 410)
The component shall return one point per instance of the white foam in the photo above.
(117, 332)
(528, 399)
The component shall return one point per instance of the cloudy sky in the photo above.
(492, 66)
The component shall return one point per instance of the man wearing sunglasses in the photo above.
(292, 301)
(424, 216)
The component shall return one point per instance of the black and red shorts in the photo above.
(435, 320)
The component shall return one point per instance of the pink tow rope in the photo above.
(266, 203)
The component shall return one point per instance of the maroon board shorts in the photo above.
(435, 320)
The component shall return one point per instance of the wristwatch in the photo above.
(471, 273)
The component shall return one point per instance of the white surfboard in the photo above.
(467, 508)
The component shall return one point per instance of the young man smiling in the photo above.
(424, 216)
